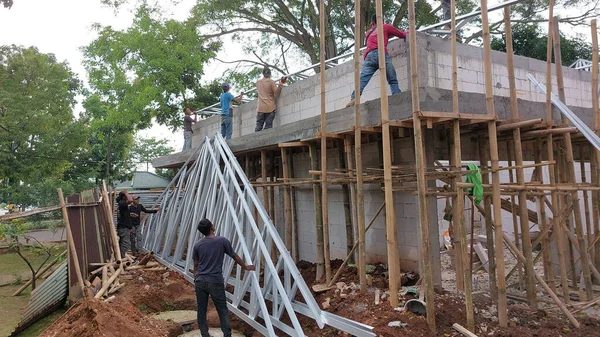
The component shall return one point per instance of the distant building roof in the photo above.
(143, 180)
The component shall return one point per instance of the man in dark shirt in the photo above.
(187, 128)
(208, 275)
(135, 210)
(124, 225)
(371, 56)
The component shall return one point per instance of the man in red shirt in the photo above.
(371, 64)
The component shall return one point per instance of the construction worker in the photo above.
(124, 225)
(135, 210)
(187, 128)
(227, 111)
(371, 64)
(267, 91)
(208, 257)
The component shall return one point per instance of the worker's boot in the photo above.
(351, 103)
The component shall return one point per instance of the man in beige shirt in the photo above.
(267, 89)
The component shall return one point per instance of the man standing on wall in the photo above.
(227, 111)
(124, 225)
(135, 210)
(208, 257)
(267, 91)
(187, 128)
(371, 56)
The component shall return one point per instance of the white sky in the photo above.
(61, 27)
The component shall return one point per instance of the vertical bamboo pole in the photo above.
(523, 217)
(543, 219)
(112, 233)
(71, 243)
(462, 235)
(287, 200)
(587, 278)
(294, 214)
(360, 197)
(325, 206)
(493, 138)
(314, 163)
(586, 200)
(390, 213)
(455, 153)
(489, 230)
(263, 176)
(348, 194)
(420, 163)
(513, 211)
(560, 239)
(596, 154)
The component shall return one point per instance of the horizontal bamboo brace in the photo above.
(549, 131)
(292, 144)
(575, 187)
(504, 168)
(516, 125)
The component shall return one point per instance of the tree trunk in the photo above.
(18, 249)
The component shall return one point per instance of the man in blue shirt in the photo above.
(208, 257)
(227, 111)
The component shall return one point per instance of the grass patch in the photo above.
(11, 308)
(12, 264)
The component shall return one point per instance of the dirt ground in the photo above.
(148, 292)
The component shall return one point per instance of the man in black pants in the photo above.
(208, 275)
(124, 225)
(135, 210)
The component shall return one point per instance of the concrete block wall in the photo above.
(376, 238)
(471, 76)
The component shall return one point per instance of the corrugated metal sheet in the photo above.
(48, 296)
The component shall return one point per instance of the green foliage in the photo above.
(530, 41)
(40, 139)
(152, 69)
(144, 150)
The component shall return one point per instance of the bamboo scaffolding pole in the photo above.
(112, 232)
(110, 281)
(390, 213)
(455, 160)
(427, 272)
(467, 278)
(294, 216)
(71, 244)
(560, 240)
(360, 198)
(318, 213)
(513, 212)
(587, 278)
(492, 134)
(347, 194)
(543, 221)
(595, 160)
(586, 200)
(489, 231)
(521, 124)
(325, 206)
(518, 152)
(287, 200)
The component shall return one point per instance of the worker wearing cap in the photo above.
(371, 56)
(267, 91)
(227, 111)
(135, 210)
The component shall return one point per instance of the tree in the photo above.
(530, 41)
(110, 138)
(144, 150)
(152, 69)
(11, 233)
(39, 137)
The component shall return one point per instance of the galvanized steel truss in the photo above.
(214, 186)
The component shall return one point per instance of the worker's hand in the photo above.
(133, 215)
(250, 268)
